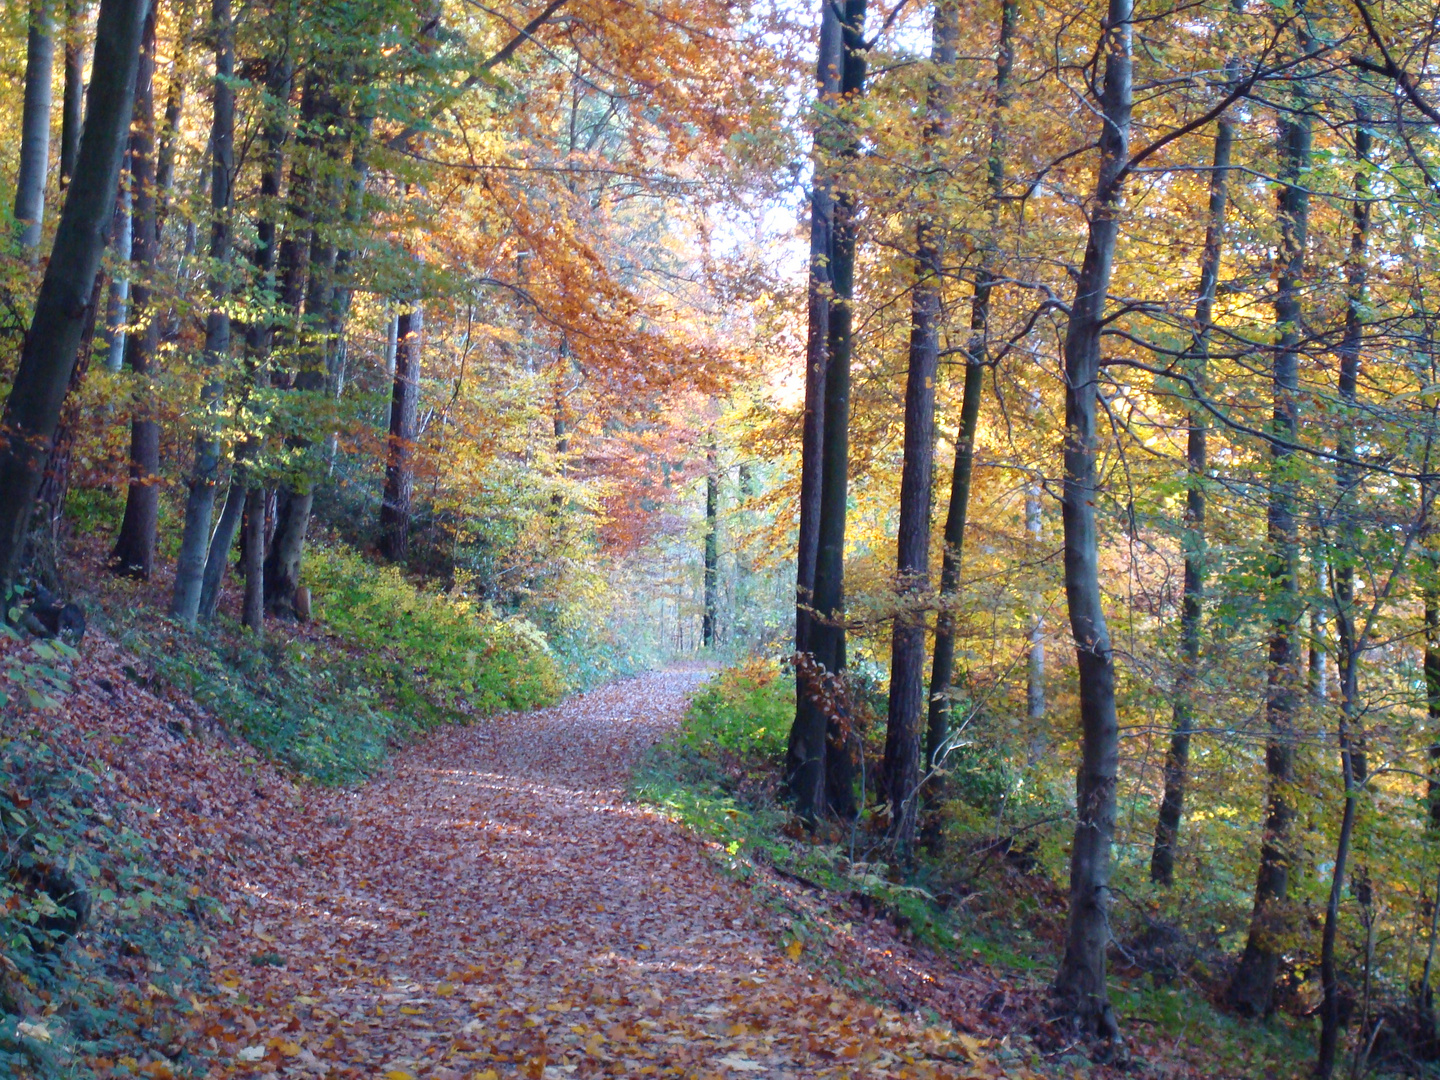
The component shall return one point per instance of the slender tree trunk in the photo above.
(200, 500)
(1081, 983)
(392, 342)
(35, 126)
(827, 631)
(1431, 663)
(47, 358)
(1318, 678)
(134, 552)
(73, 102)
(253, 608)
(399, 467)
(1035, 657)
(117, 309)
(217, 555)
(806, 752)
(1351, 739)
(901, 770)
(708, 625)
(1177, 761)
(1252, 987)
(942, 669)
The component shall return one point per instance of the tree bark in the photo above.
(134, 552)
(35, 127)
(805, 754)
(901, 769)
(217, 556)
(117, 308)
(253, 607)
(1081, 983)
(827, 631)
(47, 358)
(942, 669)
(1035, 654)
(1177, 760)
(73, 101)
(399, 467)
(1353, 768)
(708, 624)
(200, 499)
(1253, 984)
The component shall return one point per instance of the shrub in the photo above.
(433, 651)
(746, 710)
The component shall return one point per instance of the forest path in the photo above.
(494, 907)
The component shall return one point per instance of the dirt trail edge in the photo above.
(494, 908)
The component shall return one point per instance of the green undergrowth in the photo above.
(1000, 908)
(117, 998)
(718, 776)
(381, 661)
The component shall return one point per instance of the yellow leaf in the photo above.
(488, 1074)
(411, 1011)
(398, 1074)
(795, 948)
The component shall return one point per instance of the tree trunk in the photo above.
(827, 631)
(217, 556)
(287, 545)
(1081, 983)
(73, 102)
(1432, 682)
(901, 770)
(708, 634)
(134, 552)
(1035, 654)
(1351, 739)
(35, 127)
(805, 755)
(1252, 987)
(47, 358)
(399, 467)
(942, 669)
(253, 608)
(1177, 761)
(117, 309)
(200, 500)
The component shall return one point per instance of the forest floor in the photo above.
(491, 906)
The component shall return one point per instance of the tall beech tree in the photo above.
(1177, 760)
(200, 497)
(942, 668)
(904, 730)
(827, 629)
(806, 750)
(32, 409)
(1081, 982)
(134, 552)
(1253, 985)
(1352, 633)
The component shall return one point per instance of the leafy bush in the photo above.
(433, 651)
(746, 710)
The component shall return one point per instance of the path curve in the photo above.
(494, 907)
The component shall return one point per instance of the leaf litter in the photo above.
(491, 907)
